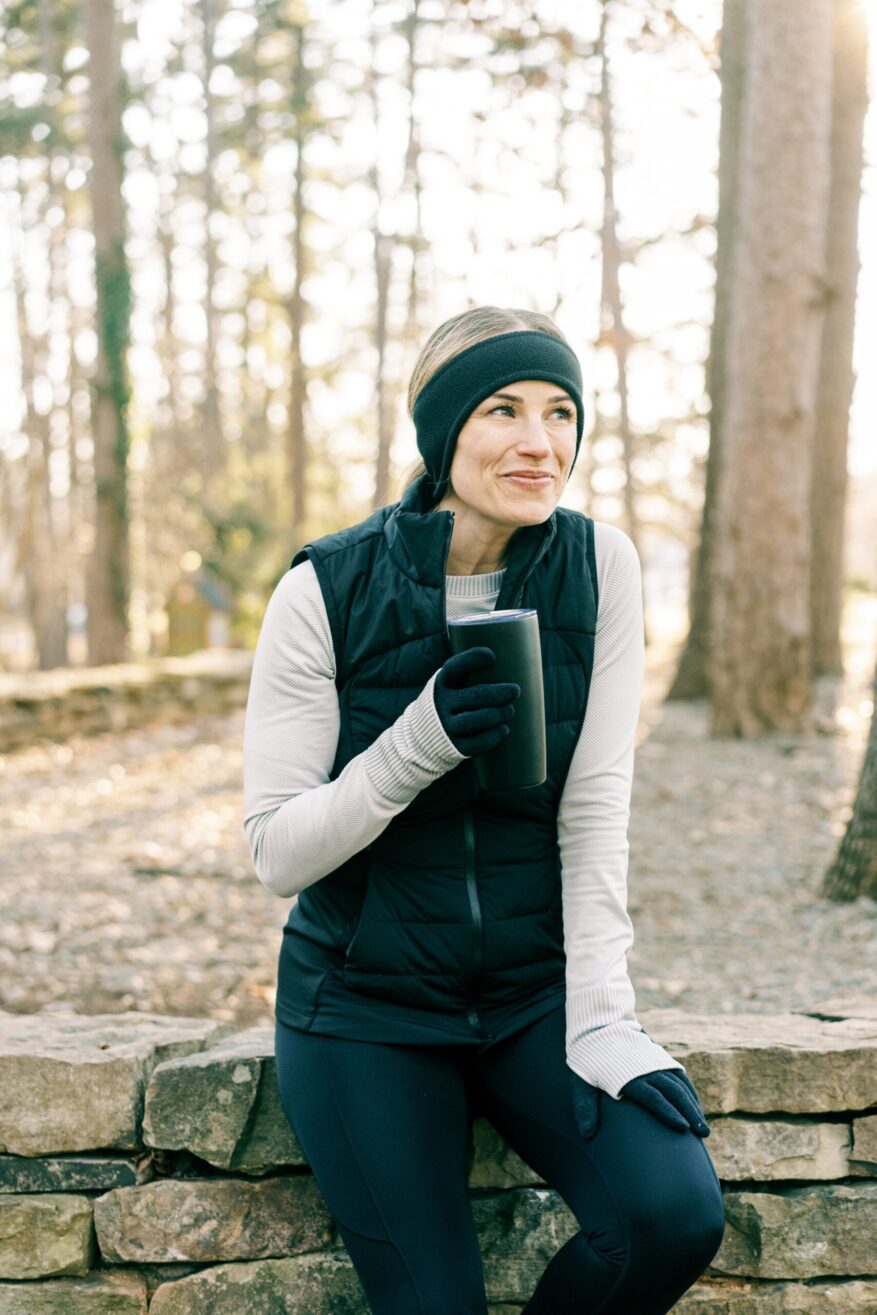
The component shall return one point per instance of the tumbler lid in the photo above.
(504, 614)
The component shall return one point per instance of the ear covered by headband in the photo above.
(446, 401)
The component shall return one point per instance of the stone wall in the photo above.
(146, 1164)
(40, 706)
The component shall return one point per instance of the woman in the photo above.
(453, 953)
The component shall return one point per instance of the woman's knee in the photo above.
(684, 1233)
(704, 1232)
(708, 1211)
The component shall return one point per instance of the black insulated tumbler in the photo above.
(520, 760)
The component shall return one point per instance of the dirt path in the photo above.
(126, 882)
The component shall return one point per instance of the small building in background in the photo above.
(199, 609)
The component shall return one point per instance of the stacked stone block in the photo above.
(39, 706)
(146, 1165)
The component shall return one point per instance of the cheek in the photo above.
(468, 470)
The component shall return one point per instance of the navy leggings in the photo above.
(384, 1129)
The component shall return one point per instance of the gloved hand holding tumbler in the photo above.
(476, 714)
(475, 717)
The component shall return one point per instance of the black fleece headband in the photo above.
(444, 403)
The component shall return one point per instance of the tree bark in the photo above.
(611, 289)
(297, 453)
(691, 679)
(383, 264)
(35, 543)
(43, 561)
(108, 575)
(836, 379)
(760, 587)
(212, 445)
(412, 184)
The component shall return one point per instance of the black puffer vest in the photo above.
(449, 927)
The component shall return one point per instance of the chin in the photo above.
(532, 511)
(530, 516)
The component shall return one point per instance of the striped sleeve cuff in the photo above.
(613, 1055)
(413, 752)
(605, 1044)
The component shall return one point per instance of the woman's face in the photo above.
(514, 453)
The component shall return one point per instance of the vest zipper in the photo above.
(446, 550)
(475, 905)
(472, 890)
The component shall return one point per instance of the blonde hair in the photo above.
(462, 331)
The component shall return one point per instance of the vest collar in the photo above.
(419, 540)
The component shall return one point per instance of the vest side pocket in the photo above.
(351, 942)
(371, 948)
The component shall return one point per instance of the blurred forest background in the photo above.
(228, 228)
(231, 225)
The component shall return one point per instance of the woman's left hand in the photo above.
(671, 1095)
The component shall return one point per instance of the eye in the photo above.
(565, 411)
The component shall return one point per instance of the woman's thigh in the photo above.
(384, 1129)
(647, 1198)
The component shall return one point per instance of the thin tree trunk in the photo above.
(383, 266)
(835, 390)
(108, 577)
(34, 550)
(611, 290)
(760, 594)
(296, 439)
(854, 870)
(80, 480)
(691, 679)
(58, 512)
(566, 116)
(412, 184)
(213, 446)
(254, 442)
(584, 470)
(168, 341)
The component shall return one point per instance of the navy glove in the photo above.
(668, 1093)
(584, 1103)
(475, 717)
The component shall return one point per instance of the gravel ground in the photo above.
(126, 881)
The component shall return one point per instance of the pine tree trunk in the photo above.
(611, 290)
(411, 335)
(691, 679)
(759, 673)
(383, 264)
(108, 575)
(835, 390)
(297, 453)
(36, 556)
(54, 581)
(212, 453)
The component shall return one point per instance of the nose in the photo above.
(533, 440)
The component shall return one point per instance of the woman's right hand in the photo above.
(475, 717)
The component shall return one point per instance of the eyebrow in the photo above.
(510, 397)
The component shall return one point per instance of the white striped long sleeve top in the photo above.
(300, 825)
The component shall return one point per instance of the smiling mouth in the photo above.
(538, 480)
